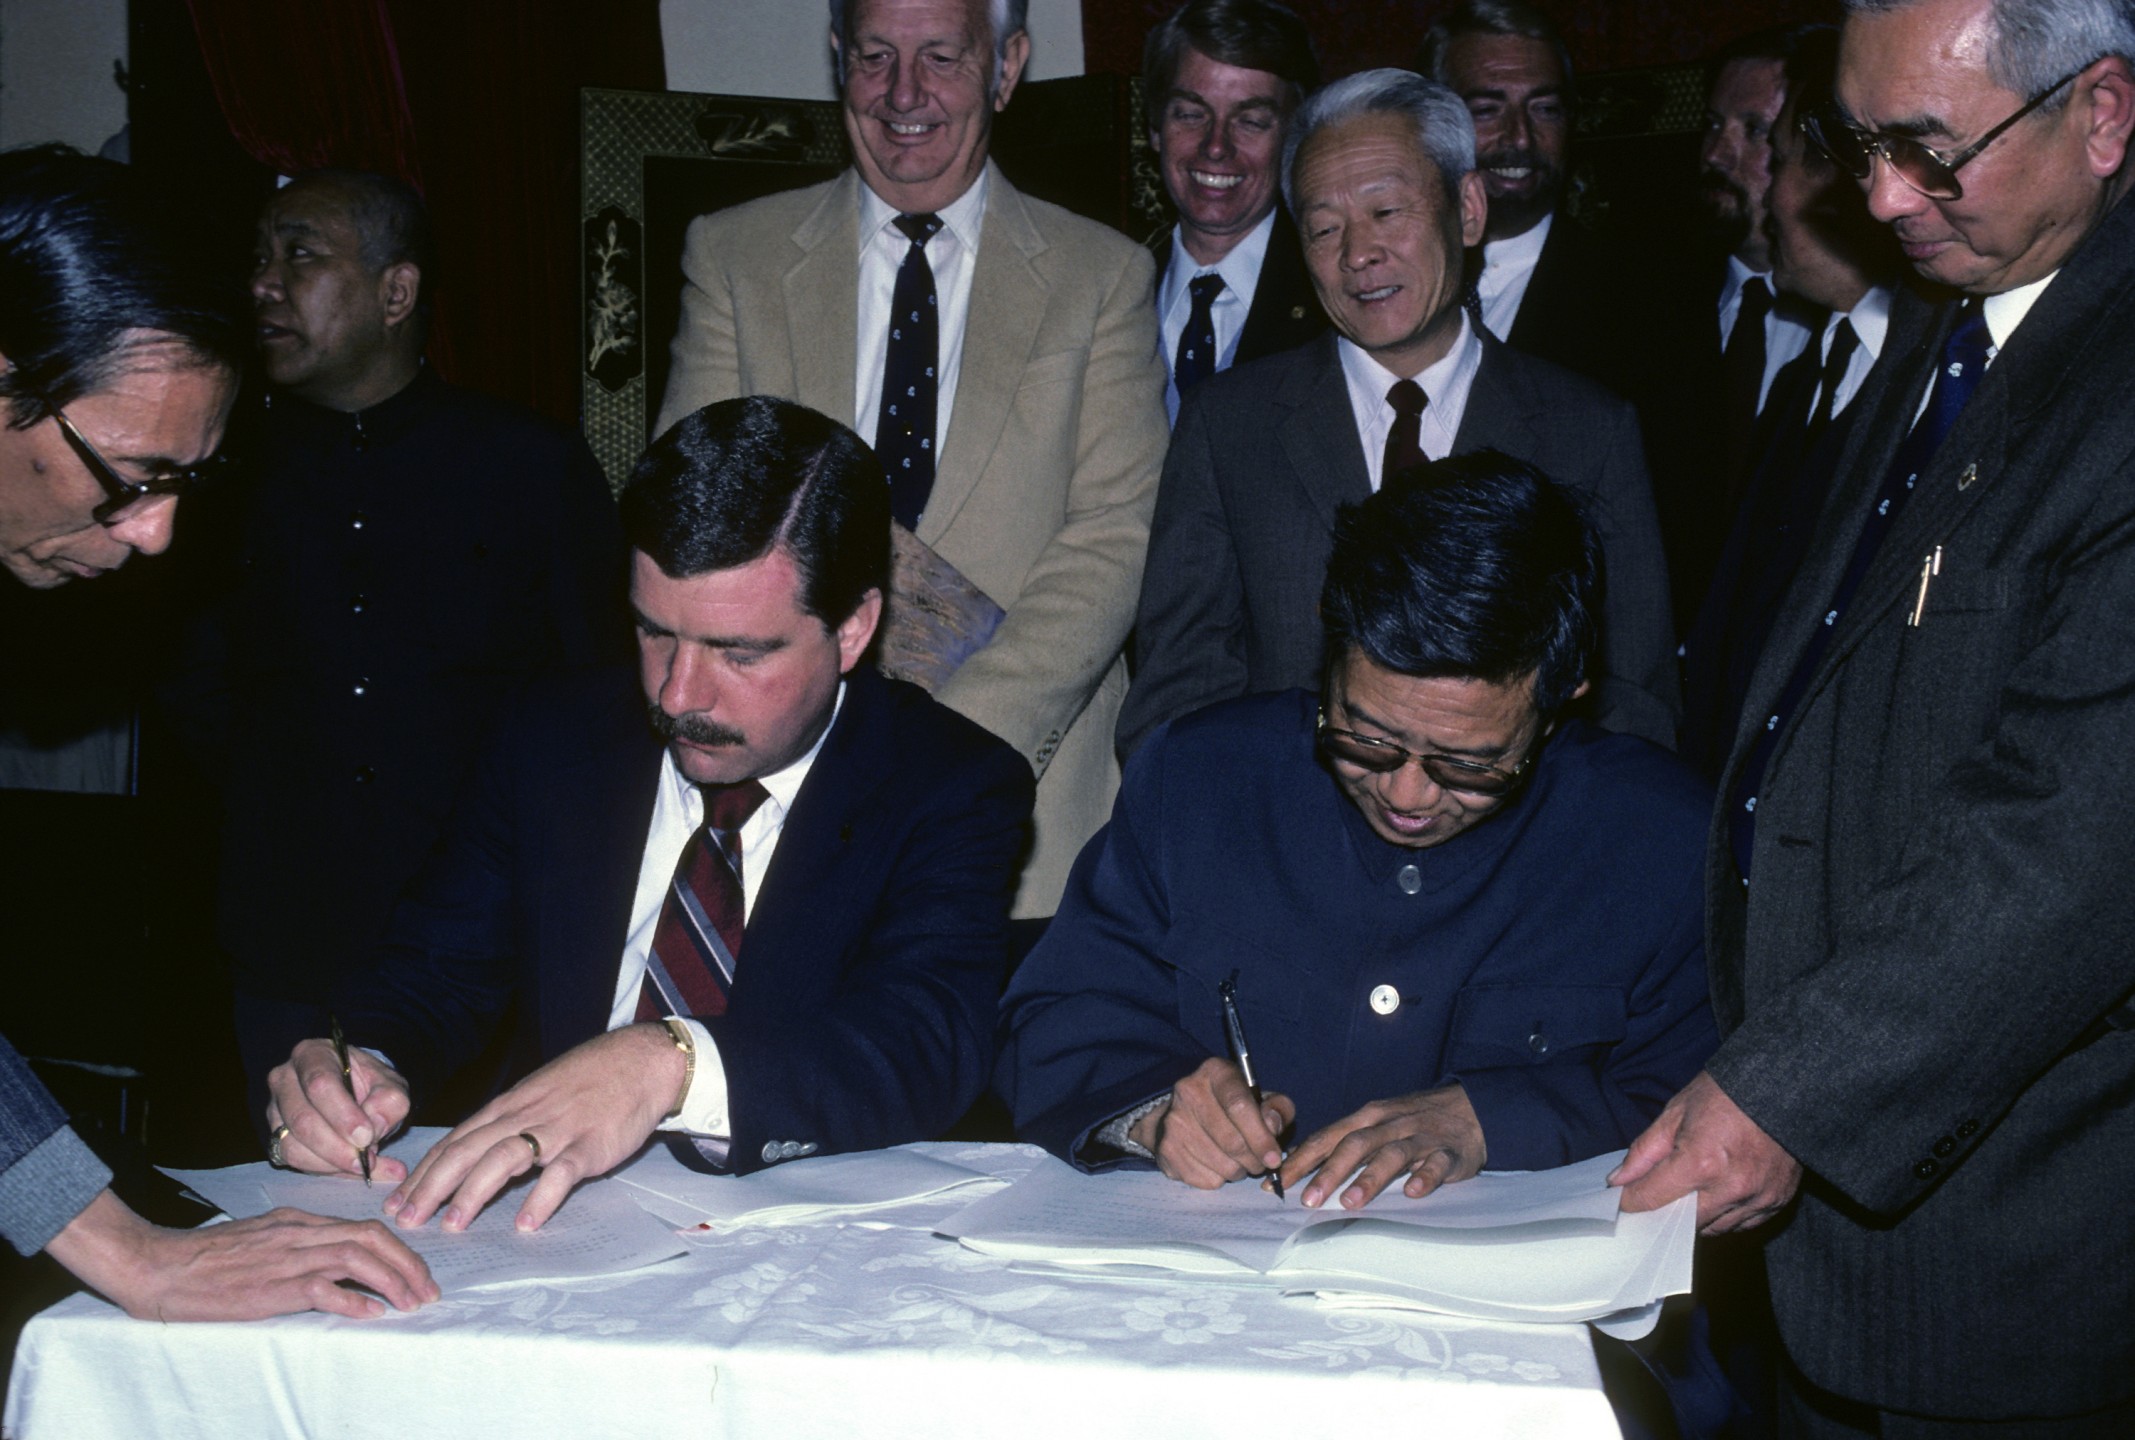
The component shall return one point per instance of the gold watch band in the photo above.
(686, 1041)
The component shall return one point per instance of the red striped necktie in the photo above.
(698, 938)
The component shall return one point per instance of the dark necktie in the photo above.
(1472, 302)
(1404, 442)
(1843, 343)
(698, 937)
(1742, 377)
(1963, 363)
(904, 425)
(1197, 342)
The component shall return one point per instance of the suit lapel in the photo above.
(1503, 409)
(1319, 434)
(851, 766)
(1285, 308)
(821, 303)
(1008, 305)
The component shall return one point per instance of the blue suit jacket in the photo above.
(862, 1012)
(1550, 958)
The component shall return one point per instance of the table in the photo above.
(857, 1332)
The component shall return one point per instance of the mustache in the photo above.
(1713, 182)
(694, 728)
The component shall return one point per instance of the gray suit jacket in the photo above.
(47, 1175)
(1265, 453)
(1923, 980)
(1048, 472)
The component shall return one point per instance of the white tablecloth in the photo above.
(844, 1332)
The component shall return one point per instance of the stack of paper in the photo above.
(1543, 1246)
(815, 1191)
(599, 1231)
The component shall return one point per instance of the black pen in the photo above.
(1229, 991)
(348, 1076)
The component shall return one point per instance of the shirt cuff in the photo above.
(1114, 1132)
(704, 1105)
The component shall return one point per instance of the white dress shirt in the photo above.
(952, 255)
(1870, 319)
(2003, 313)
(1175, 302)
(677, 814)
(1507, 267)
(1445, 388)
(1784, 336)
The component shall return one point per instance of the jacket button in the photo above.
(1968, 1129)
(1927, 1169)
(770, 1152)
(1385, 999)
(1410, 879)
(1539, 1043)
(1945, 1147)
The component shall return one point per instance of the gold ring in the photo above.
(529, 1139)
(274, 1147)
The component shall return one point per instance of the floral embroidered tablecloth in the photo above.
(856, 1331)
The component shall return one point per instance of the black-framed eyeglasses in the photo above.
(1930, 172)
(122, 494)
(1383, 757)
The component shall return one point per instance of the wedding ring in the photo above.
(274, 1147)
(529, 1139)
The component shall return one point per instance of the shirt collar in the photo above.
(2006, 311)
(1240, 269)
(1870, 319)
(1519, 252)
(1739, 275)
(1368, 379)
(961, 217)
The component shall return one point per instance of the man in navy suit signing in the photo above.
(779, 933)
(1462, 929)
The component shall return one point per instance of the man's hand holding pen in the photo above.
(325, 1120)
(1213, 1131)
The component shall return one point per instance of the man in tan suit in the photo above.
(1040, 388)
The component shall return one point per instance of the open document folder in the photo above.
(1546, 1246)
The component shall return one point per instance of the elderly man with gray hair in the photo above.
(1379, 170)
(1923, 950)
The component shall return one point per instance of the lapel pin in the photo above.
(1971, 473)
(1297, 312)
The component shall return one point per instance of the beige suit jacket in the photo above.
(1048, 473)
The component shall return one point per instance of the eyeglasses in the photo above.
(122, 494)
(1929, 172)
(1383, 757)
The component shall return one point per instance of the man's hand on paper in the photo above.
(588, 1110)
(1432, 1137)
(1703, 1142)
(1212, 1132)
(272, 1264)
(327, 1130)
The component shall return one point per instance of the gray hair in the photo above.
(1007, 17)
(2038, 42)
(1490, 17)
(1444, 132)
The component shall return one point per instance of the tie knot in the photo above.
(728, 807)
(1206, 288)
(1968, 342)
(1407, 398)
(918, 229)
(1756, 297)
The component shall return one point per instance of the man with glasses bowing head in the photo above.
(1460, 929)
(773, 920)
(1923, 946)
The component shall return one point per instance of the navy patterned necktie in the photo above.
(904, 425)
(1197, 342)
(1963, 363)
(1404, 442)
(698, 938)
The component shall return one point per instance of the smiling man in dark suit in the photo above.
(1380, 171)
(807, 884)
(1223, 78)
(1923, 950)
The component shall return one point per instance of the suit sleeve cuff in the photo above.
(42, 1192)
(704, 1106)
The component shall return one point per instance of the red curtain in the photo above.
(475, 103)
(1356, 35)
